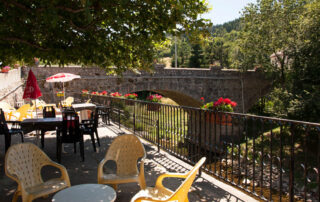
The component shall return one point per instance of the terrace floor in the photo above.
(205, 188)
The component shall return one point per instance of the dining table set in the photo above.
(41, 124)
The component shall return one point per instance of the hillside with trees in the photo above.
(282, 38)
(216, 49)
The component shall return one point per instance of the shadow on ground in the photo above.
(86, 172)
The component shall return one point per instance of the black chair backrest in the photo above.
(49, 112)
(3, 123)
(96, 118)
(68, 109)
(70, 125)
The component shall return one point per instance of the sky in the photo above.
(225, 10)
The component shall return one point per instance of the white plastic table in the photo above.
(86, 193)
(81, 106)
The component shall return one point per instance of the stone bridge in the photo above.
(183, 85)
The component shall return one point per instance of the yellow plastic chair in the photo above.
(23, 164)
(6, 107)
(125, 150)
(161, 193)
(37, 103)
(67, 102)
(24, 112)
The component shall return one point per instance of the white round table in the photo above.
(86, 193)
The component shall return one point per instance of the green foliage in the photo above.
(196, 56)
(103, 33)
(184, 51)
(228, 26)
(294, 44)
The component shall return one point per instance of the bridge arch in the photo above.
(180, 98)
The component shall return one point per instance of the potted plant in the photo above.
(60, 93)
(85, 93)
(5, 69)
(221, 105)
(104, 93)
(155, 98)
(116, 94)
(130, 97)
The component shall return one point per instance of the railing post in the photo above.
(200, 133)
(291, 175)
(158, 136)
(134, 118)
(119, 118)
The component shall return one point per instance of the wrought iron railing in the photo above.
(270, 158)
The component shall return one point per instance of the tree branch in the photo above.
(28, 9)
(70, 10)
(15, 39)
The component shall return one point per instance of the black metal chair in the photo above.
(49, 112)
(90, 127)
(104, 114)
(4, 130)
(70, 133)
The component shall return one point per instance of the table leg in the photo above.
(7, 141)
(42, 138)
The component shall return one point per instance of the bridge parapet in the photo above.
(183, 85)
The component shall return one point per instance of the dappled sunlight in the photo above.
(86, 172)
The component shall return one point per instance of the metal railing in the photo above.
(270, 158)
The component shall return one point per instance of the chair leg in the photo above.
(7, 140)
(82, 149)
(93, 142)
(115, 186)
(42, 139)
(96, 131)
(22, 134)
(74, 147)
(59, 148)
(16, 195)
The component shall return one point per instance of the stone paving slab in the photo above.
(205, 188)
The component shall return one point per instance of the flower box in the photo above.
(5, 69)
(219, 118)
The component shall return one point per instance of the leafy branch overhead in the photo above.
(103, 33)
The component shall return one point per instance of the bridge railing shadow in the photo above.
(270, 158)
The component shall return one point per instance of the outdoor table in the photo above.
(42, 124)
(86, 193)
(82, 106)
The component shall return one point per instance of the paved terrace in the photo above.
(205, 188)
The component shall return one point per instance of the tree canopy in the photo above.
(287, 32)
(103, 33)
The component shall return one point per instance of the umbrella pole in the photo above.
(64, 93)
(37, 131)
(35, 103)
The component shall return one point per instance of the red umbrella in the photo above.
(32, 90)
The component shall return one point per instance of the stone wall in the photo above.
(11, 87)
(183, 85)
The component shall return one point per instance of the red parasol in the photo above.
(32, 89)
